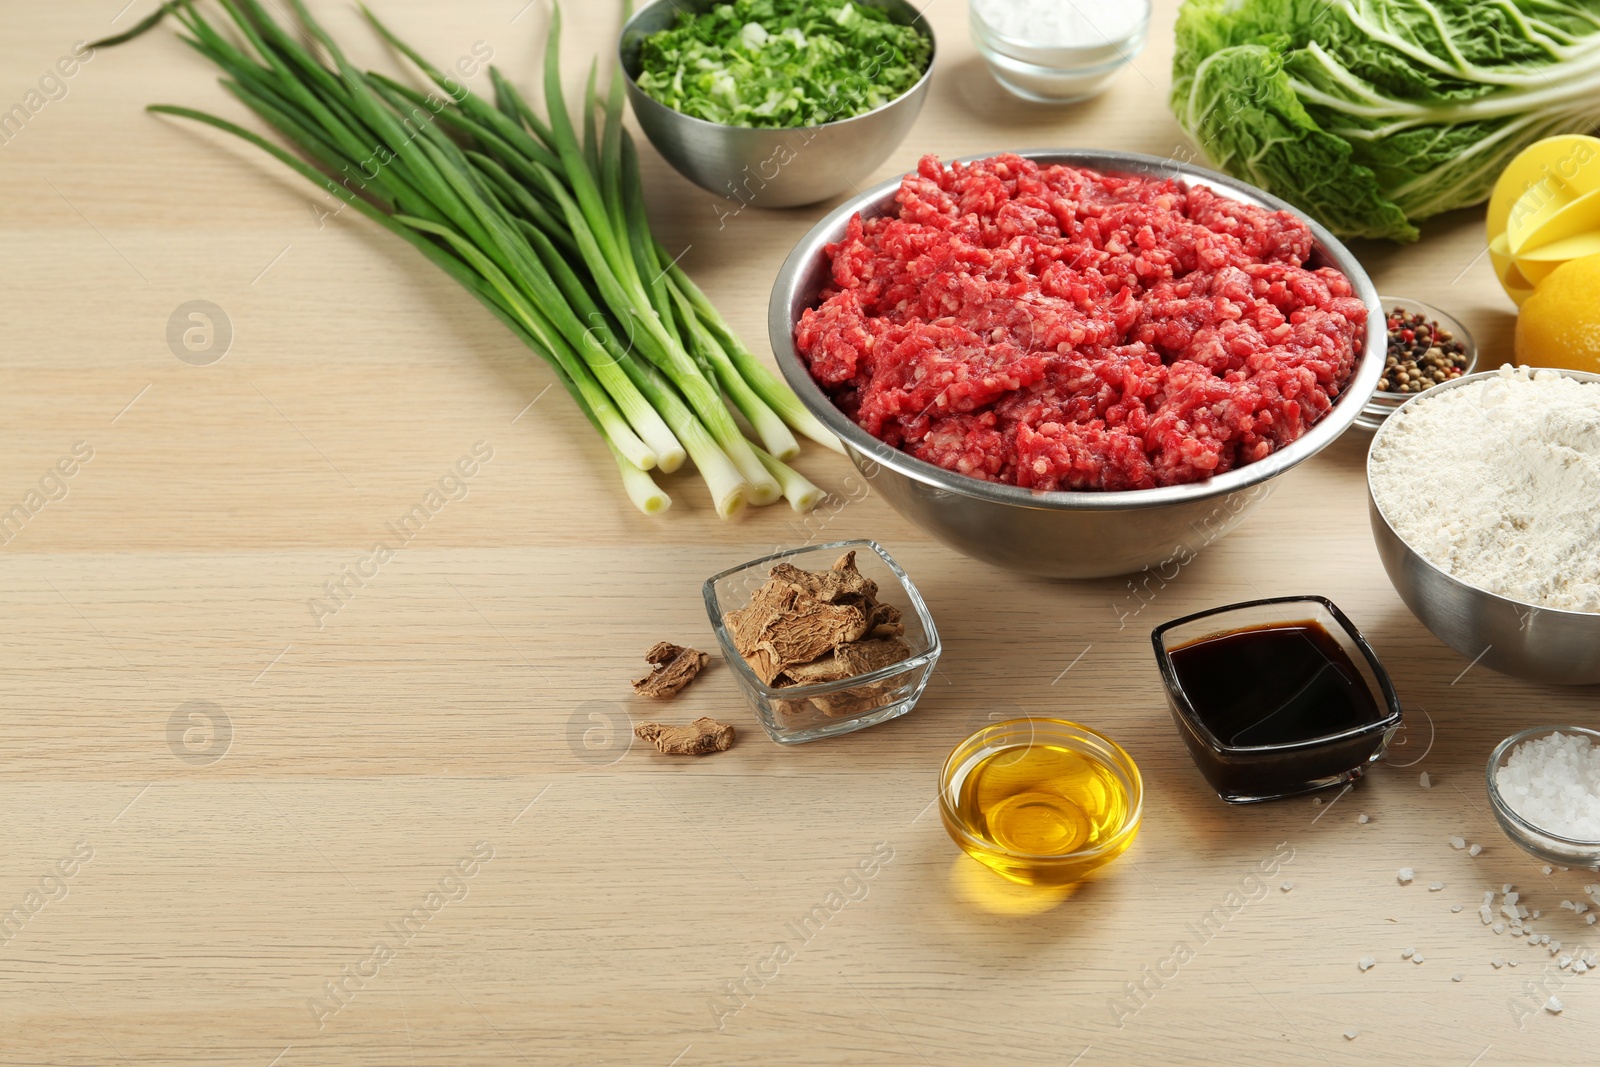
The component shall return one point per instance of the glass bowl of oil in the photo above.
(1276, 697)
(1041, 801)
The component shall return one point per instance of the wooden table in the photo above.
(220, 799)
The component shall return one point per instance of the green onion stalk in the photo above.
(543, 221)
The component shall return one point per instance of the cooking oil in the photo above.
(1039, 803)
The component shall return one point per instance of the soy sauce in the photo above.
(1276, 685)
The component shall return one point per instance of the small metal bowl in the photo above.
(763, 167)
(1066, 534)
(1539, 843)
(1510, 636)
(1384, 403)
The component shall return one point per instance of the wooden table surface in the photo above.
(220, 801)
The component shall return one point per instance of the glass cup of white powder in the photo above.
(1544, 789)
(1058, 51)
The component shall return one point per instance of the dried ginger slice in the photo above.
(672, 668)
(704, 735)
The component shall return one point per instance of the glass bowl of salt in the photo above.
(1056, 52)
(1544, 790)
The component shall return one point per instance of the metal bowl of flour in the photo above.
(1510, 636)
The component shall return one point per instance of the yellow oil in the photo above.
(1042, 800)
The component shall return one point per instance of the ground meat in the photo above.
(1058, 328)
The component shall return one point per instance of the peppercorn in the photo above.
(1421, 354)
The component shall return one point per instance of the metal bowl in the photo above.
(1066, 534)
(1511, 636)
(771, 168)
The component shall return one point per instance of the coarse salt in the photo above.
(1474, 850)
(1554, 783)
(1424, 781)
(1455, 908)
(1350, 1034)
(1405, 875)
(1458, 842)
(1049, 23)
(1363, 818)
(1553, 1006)
(1407, 953)
(1366, 963)
(1434, 887)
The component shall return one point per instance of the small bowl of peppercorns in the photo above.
(1426, 348)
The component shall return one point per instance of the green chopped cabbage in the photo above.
(782, 63)
(1373, 114)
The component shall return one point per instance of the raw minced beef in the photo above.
(1058, 328)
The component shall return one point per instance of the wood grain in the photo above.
(473, 695)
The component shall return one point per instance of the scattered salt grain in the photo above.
(1488, 896)
(1511, 963)
(1457, 977)
(1366, 963)
(1499, 928)
(1407, 953)
(1525, 913)
(1485, 914)
(1507, 888)
(1589, 918)
(1350, 1034)
(1497, 963)
(1455, 908)
(1546, 869)
(1417, 958)
(1554, 783)
(1286, 886)
(1405, 875)
(1579, 967)
(1564, 962)
(1553, 1006)
(1474, 850)
(1458, 842)
(1425, 782)
(1363, 818)
(1317, 801)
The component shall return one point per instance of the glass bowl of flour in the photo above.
(1054, 52)
(1484, 497)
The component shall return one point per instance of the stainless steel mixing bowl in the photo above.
(770, 168)
(1510, 636)
(1067, 534)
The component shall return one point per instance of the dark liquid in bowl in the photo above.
(1277, 685)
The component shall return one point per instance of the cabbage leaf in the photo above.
(1373, 114)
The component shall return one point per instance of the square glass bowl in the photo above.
(1244, 774)
(792, 714)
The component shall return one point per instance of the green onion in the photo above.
(542, 220)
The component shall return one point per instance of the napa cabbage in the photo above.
(1373, 114)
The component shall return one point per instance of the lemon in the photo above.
(1559, 325)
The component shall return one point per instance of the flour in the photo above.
(1498, 484)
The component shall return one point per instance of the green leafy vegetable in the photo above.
(548, 232)
(1374, 114)
(782, 63)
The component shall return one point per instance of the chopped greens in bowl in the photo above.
(780, 64)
